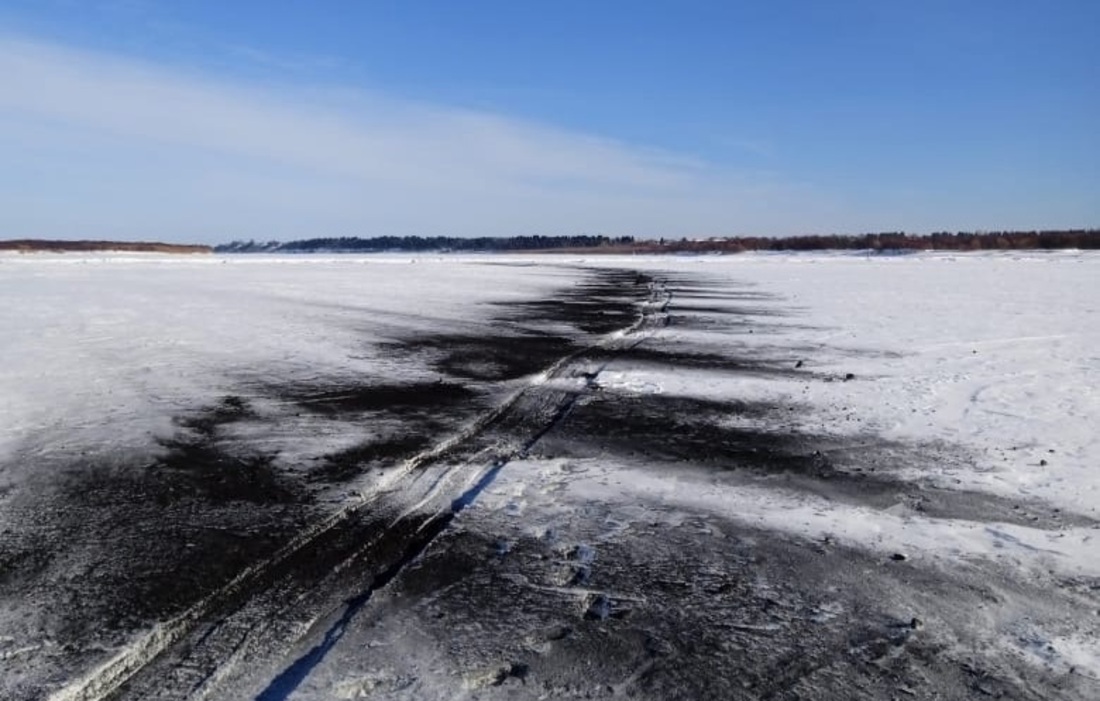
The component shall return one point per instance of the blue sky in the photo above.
(208, 121)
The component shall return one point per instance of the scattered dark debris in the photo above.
(344, 465)
(516, 670)
(229, 409)
(391, 398)
(207, 510)
(742, 364)
(200, 469)
(485, 358)
(597, 607)
(670, 430)
(607, 300)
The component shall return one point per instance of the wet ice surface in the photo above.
(745, 477)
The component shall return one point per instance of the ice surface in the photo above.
(932, 415)
(121, 343)
(996, 351)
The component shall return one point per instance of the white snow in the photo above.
(997, 355)
(101, 351)
(947, 542)
(999, 352)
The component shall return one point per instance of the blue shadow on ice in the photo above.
(282, 686)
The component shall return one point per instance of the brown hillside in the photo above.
(37, 245)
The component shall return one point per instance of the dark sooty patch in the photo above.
(131, 540)
(671, 609)
(594, 316)
(527, 337)
(205, 470)
(605, 301)
(197, 464)
(408, 417)
(702, 360)
(346, 464)
(486, 358)
(674, 428)
(389, 398)
(137, 545)
(139, 541)
(744, 437)
(206, 422)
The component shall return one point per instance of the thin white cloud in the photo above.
(292, 64)
(129, 148)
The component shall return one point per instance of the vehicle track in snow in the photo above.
(271, 605)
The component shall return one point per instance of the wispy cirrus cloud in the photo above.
(103, 145)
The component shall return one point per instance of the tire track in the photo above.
(287, 681)
(256, 583)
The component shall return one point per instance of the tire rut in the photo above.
(283, 597)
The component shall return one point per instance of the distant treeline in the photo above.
(887, 241)
(890, 241)
(380, 244)
(33, 245)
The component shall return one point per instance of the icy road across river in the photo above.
(749, 477)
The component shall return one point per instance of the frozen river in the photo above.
(826, 476)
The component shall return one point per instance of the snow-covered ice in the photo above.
(885, 466)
